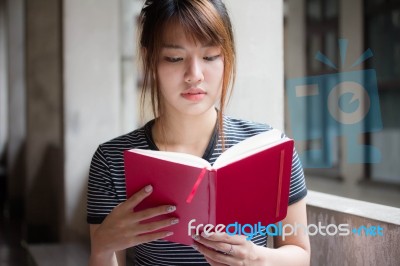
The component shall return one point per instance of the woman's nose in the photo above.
(194, 71)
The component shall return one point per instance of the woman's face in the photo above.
(189, 73)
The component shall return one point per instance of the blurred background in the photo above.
(69, 81)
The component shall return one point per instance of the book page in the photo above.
(176, 157)
(249, 146)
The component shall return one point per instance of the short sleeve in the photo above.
(298, 189)
(101, 195)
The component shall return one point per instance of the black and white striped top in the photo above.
(106, 186)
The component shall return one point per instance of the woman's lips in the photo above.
(193, 94)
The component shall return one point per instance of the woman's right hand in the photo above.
(122, 228)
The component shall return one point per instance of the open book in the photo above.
(248, 183)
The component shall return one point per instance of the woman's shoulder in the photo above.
(242, 126)
(134, 139)
(237, 130)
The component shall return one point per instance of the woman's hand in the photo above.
(223, 249)
(293, 250)
(123, 228)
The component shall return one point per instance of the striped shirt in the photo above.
(106, 187)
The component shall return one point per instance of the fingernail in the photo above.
(195, 247)
(195, 237)
(205, 235)
(148, 188)
(175, 221)
(171, 208)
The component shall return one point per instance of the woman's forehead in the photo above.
(175, 33)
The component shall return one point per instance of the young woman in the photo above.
(188, 56)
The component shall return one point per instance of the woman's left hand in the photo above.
(223, 249)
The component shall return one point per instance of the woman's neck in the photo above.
(185, 133)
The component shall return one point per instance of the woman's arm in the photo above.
(118, 258)
(294, 250)
(123, 228)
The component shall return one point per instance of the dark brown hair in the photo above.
(206, 21)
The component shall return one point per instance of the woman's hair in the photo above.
(206, 21)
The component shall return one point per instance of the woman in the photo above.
(188, 57)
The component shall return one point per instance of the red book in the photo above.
(248, 183)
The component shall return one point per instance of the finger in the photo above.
(216, 245)
(150, 237)
(136, 198)
(153, 226)
(153, 212)
(224, 237)
(215, 256)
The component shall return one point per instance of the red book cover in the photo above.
(249, 187)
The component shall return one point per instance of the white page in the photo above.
(176, 157)
(237, 152)
(249, 146)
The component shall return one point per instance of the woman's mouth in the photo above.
(193, 94)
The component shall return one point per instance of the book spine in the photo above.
(212, 192)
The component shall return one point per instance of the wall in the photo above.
(258, 28)
(44, 144)
(68, 104)
(351, 27)
(353, 249)
(92, 96)
(295, 55)
(3, 80)
(16, 104)
(130, 95)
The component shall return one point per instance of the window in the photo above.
(322, 36)
(382, 28)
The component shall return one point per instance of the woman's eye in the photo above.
(211, 58)
(173, 59)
